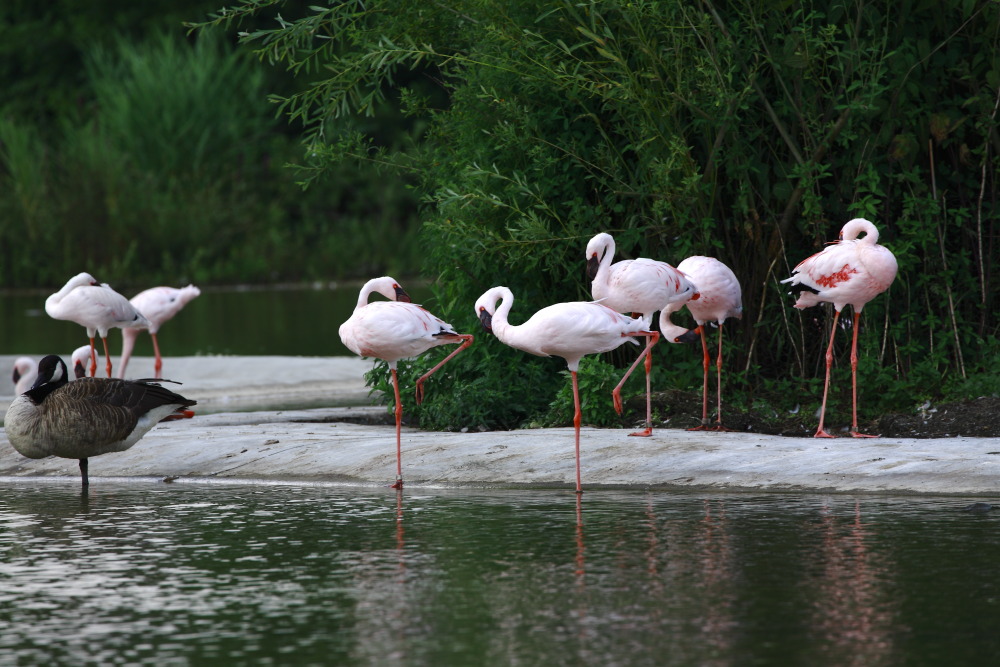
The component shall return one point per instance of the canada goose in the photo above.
(88, 417)
(96, 307)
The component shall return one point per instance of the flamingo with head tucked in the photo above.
(394, 330)
(636, 286)
(852, 271)
(158, 305)
(568, 330)
(721, 298)
(25, 372)
(95, 306)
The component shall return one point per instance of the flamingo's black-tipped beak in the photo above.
(79, 370)
(17, 375)
(689, 336)
(592, 265)
(486, 319)
(401, 294)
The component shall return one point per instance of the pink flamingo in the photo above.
(25, 372)
(636, 286)
(721, 298)
(79, 359)
(394, 330)
(158, 305)
(568, 330)
(851, 271)
(95, 306)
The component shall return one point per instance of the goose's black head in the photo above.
(51, 376)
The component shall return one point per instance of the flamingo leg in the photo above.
(399, 425)
(718, 385)
(466, 342)
(854, 381)
(648, 431)
(820, 432)
(577, 418)
(158, 363)
(616, 395)
(107, 356)
(93, 357)
(706, 362)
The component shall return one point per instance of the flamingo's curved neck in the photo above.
(607, 257)
(502, 328)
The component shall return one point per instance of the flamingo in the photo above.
(25, 372)
(158, 305)
(89, 417)
(394, 330)
(721, 298)
(635, 286)
(78, 360)
(95, 306)
(568, 330)
(850, 271)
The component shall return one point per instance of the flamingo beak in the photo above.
(592, 265)
(401, 294)
(17, 375)
(689, 336)
(486, 319)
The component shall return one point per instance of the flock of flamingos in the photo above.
(93, 416)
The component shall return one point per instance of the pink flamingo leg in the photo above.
(820, 432)
(854, 381)
(466, 342)
(158, 364)
(399, 424)
(107, 357)
(93, 358)
(576, 427)
(616, 395)
(718, 386)
(706, 362)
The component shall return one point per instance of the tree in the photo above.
(748, 131)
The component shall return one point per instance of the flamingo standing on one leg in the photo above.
(636, 286)
(158, 305)
(721, 298)
(394, 330)
(568, 330)
(851, 271)
(95, 306)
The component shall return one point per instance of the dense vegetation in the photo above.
(750, 131)
(145, 156)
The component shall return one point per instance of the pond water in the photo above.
(145, 574)
(274, 321)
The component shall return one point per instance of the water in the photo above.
(290, 321)
(221, 574)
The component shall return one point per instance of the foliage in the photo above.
(747, 131)
(176, 172)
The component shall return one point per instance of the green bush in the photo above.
(744, 131)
